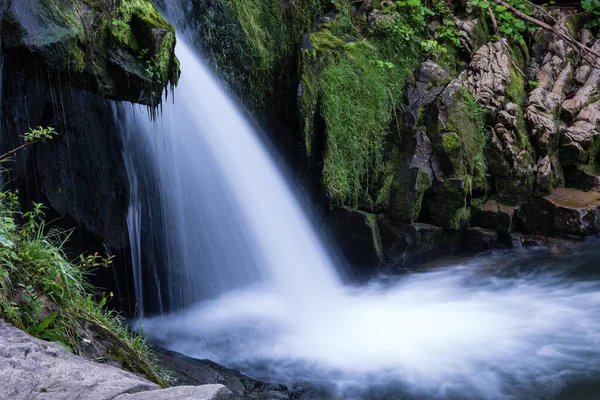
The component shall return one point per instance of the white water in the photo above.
(277, 308)
(230, 218)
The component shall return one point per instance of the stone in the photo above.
(581, 141)
(493, 215)
(567, 212)
(358, 235)
(204, 392)
(571, 107)
(491, 79)
(479, 239)
(583, 176)
(72, 38)
(446, 206)
(32, 368)
(190, 371)
(408, 245)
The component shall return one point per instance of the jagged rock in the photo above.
(588, 90)
(473, 32)
(446, 206)
(490, 80)
(415, 166)
(31, 368)
(204, 392)
(579, 143)
(583, 176)
(549, 174)
(488, 74)
(358, 235)
(565, 212)
(407, 245)
(494, 215)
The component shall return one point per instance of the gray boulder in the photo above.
(204, 392)
(31, 368)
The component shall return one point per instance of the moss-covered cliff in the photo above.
(123, 49)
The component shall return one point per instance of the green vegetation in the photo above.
(509, 25)
(357, 112)
(466, 124)
(355, 77)
(45, 293)
(593, 7)
(253, 47)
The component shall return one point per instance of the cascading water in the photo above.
(230, 219)
(260, 293)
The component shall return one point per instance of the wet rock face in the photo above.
(62, 61)
(124, 50)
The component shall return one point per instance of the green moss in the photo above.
(372, 220)
(464, 140)
(358, 88)
(356, 110)
(448, 208)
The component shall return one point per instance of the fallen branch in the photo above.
(585, 51)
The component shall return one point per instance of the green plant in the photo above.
(47, 294)
(593, 7)
(510, 25)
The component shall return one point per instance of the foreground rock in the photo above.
(208, 392)
(31, 368)
(190, 371)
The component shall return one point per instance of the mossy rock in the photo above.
(359, 238)
(408, 245)
(353, 79)
(447, 206)
(123, 49)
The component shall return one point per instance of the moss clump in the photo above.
(357, 112)
(355, 79)
(253, 48)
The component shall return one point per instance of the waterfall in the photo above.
(229, 217)
(223, 249)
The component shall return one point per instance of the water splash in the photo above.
(477, 330)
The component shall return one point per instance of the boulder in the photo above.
(124, 50)
(570, 212)
(190, 371)
(204, 392)
(408, 245)
(358, 235)
(32, 368)
(493, 215)
(580, 142)
(479, 239)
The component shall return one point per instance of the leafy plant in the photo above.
(593, 7)
(47, 294)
